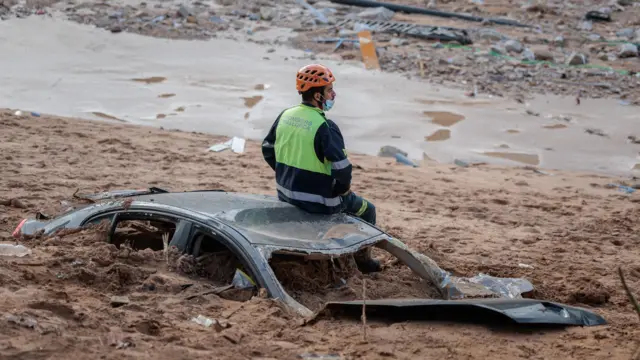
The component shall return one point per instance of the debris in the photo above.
(218, 325)
(404, 160)
(577, 59)
(319, 15)
(532, 113)
(378, 13)
(622, 188)
(14, 250)
(542, 54)
(242, 281)
(626, 33)
(597, 16)
(441, 33)
(268, 13)
(491, 35)
(594, 131)
(633, 139)
(512, 288)
(184, 11)
(117, 301)
(525, 266)
(368, 51)
(513, 46)
(417, 10)
(586, 26)
(236, 144)
(461, 163)
(18, 113)
(627, 50)
(528, 55)
(390, 151)
(559, 41)
(33, 113)
(24, 321)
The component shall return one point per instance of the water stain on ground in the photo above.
(439, 135)
(530, 159)
(252, 101)
(106, 116)
(444, 118)
(453, 102)
(261, 87)
(161, 116)
(512, 131)
(151, 80)
(555, 126)
(165, 96)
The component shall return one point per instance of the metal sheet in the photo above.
(519, 311)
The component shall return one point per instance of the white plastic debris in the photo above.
(236, 144)
(18, 113)
(14, 250)
(203, 320)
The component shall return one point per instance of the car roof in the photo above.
(265, 220)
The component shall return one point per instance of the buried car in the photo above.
(255, 229)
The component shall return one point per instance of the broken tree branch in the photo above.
(364, 308)
(632, 298)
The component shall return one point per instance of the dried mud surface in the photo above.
(569, 228)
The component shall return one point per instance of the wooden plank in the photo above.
(368, 50)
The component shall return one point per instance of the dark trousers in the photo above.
(360, 207)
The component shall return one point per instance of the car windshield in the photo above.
(290, 227)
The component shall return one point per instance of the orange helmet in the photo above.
(313, 75)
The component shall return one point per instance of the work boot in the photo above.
(366, 263)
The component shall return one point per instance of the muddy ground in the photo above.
(570, 229)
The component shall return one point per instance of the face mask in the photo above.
(327, 104)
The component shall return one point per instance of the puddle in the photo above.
(41, 53)
(530, 159)
(439, 135)
(443, 118)
(252, 101)
(106, 116)
(151, 80)
(555, 126)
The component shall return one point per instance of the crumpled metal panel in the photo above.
(441, 33)
(520, 311)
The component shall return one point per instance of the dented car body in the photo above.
(256, 227)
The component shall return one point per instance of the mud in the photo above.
(570, 229)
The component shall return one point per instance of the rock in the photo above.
(498, 49)
(577, 59)
(390, 151)
(542, 54)
(627, 50)
(594, 37)
(268, 13)
(528, 55)
(491, 35)
(513, 46)
(184, 11)
(115, 29)
(586, 25)
(379, 14)
(117, 301)
(626, 33)
(399, 42)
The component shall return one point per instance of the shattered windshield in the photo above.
(290, 227)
